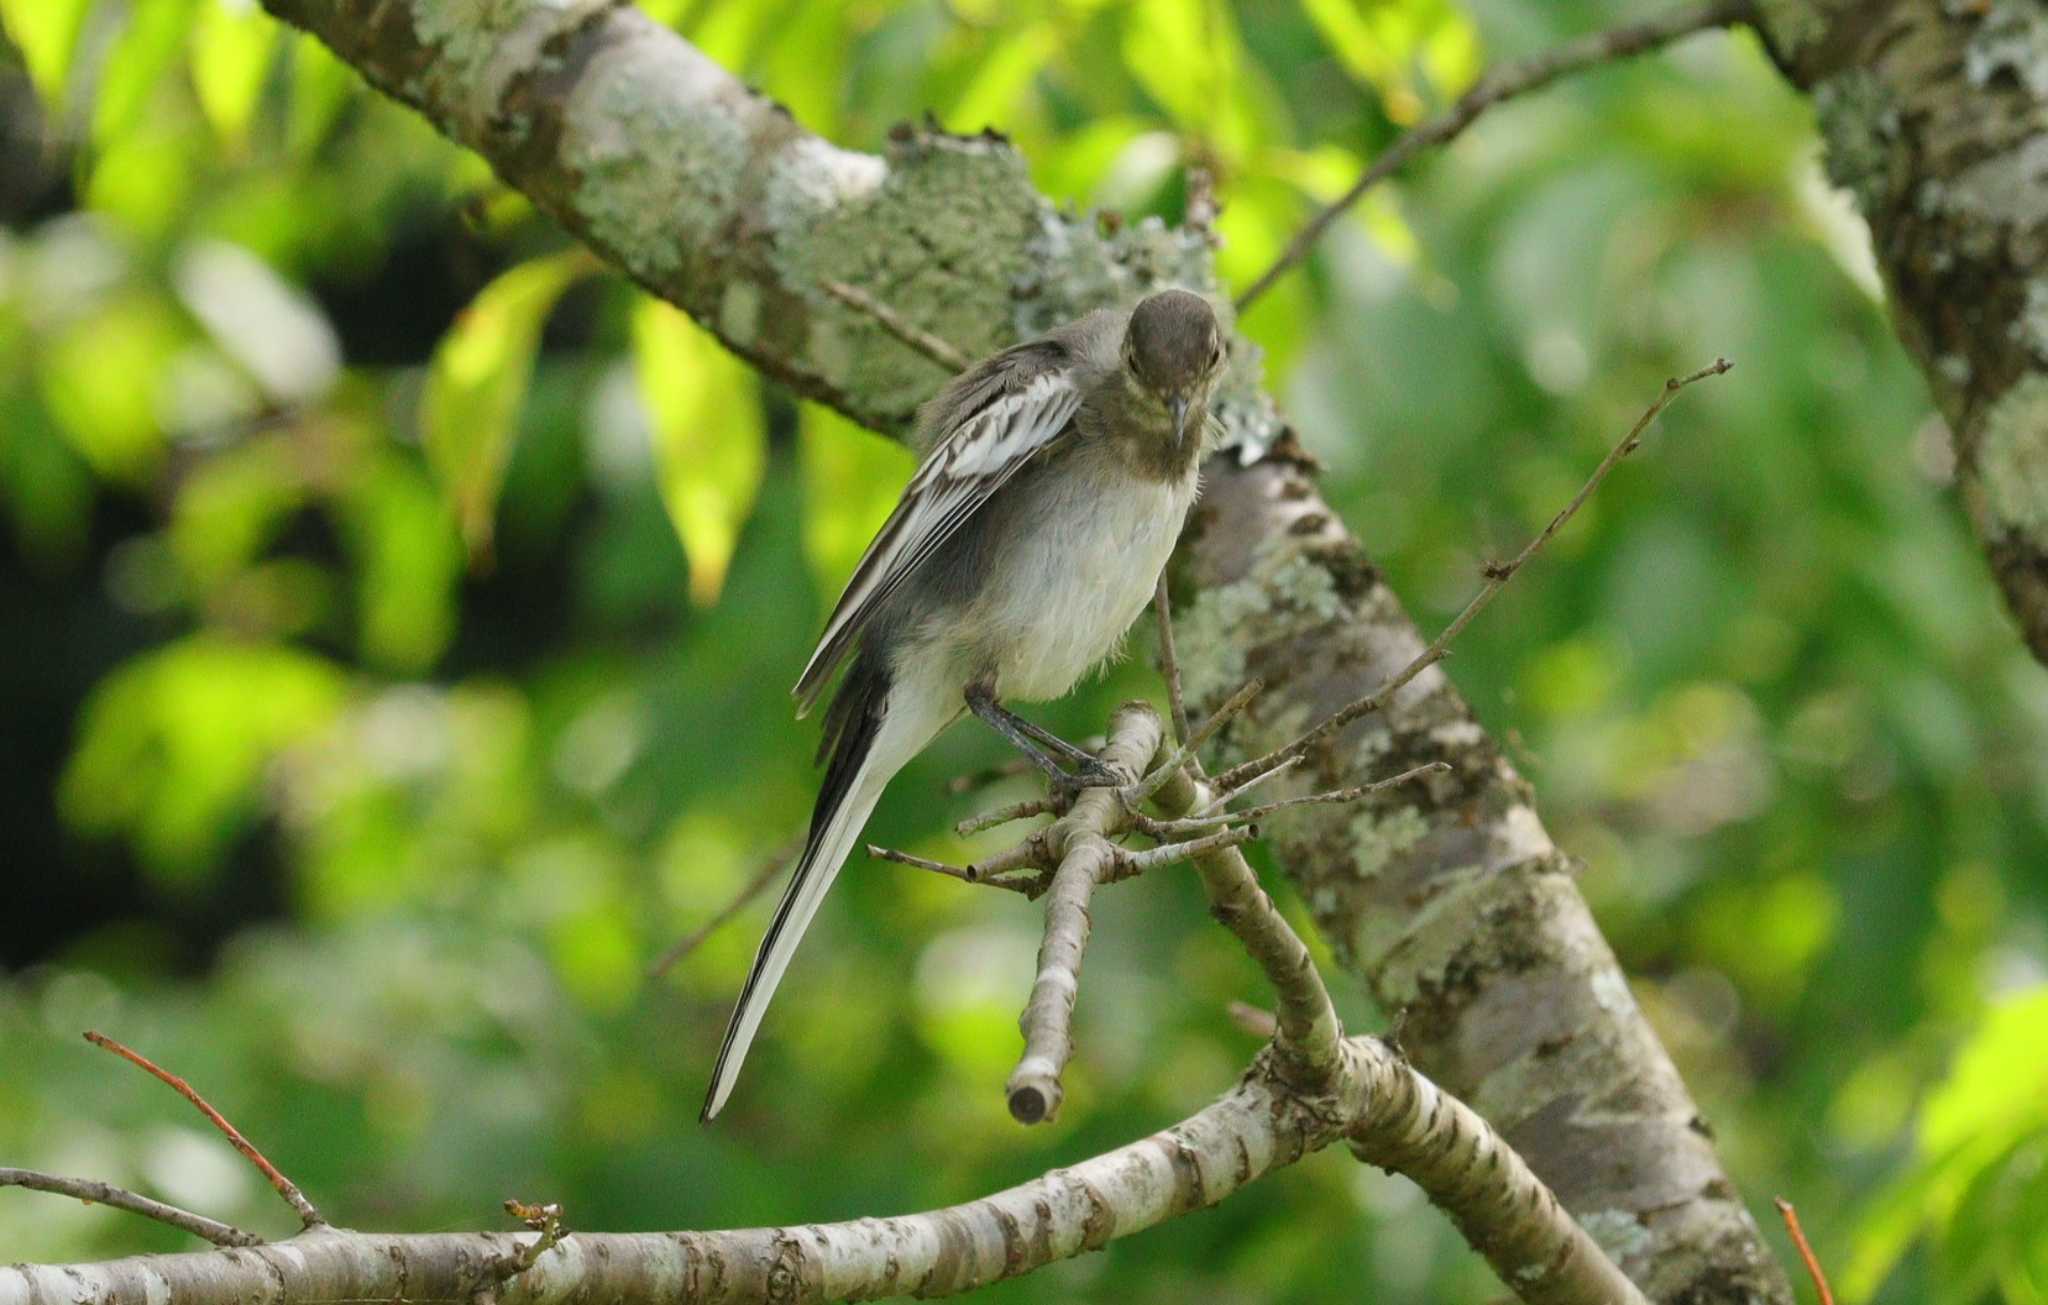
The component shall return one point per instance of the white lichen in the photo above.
(2012, 458)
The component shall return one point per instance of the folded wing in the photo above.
(992, 422)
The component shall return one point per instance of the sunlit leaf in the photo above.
(173, 745)
(410, 565)
(46, 33)
(988, 100)
(322, 86)
(232, 45)
(710, 438)
(474, 386)
(115, 427)
(852, 479)
(147, 46)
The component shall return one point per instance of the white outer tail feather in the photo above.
(902, 735)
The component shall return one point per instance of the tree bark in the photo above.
(1934, 115)
(712, 197)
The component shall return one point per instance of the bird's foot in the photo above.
(1067, 769)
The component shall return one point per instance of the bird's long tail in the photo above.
(867, 744)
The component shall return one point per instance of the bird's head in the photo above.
(1173, 352)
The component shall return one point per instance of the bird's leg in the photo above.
(1044, 748)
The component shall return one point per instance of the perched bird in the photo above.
(1056, 477)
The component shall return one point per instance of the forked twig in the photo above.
(286, 1188)
(1192, 824)
(1497, 575)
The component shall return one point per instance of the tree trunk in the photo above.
(1935, 117)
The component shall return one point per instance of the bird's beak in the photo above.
(1178, 406)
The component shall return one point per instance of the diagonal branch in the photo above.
(93, 1192)
(1500, 83)
(285, 1187)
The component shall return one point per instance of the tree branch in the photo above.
(284, 1187)
(1501, 83)
(1934, 120)
(709, 196)
(93, 1192)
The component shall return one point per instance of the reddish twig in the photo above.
(1820, 1279)
(93, 1192)
(286, 1188)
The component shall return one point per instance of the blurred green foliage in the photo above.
(372, 730)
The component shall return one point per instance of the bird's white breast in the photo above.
(1074, 583)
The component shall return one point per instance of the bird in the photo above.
(1055, 478)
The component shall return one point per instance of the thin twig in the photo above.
(286, 1188)
(1130, 863)
(1820, 1279)
(1227, 796)
(1192, 824)
(1255, 1020)
(1497, 575)
(1499, 84)
(972, 874)
(931, 346)
(544, 1219)
(93, 1192)
(1003, 815)
(1169, 659)
(1137, 793)
(754, 888)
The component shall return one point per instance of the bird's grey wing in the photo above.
(985, 427)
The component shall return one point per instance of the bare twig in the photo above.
(1129, 863)
(1003, 815)
(1497, 575)
(1498, 84)
(544, 1219)
(1255, 1020)
(1193, 824)
(1169, 658)
(286, 1188)
(1086, 858)
(1812, 1261)
(1140, 792)
(931, 346)
(1227, 796)
(93, 1192)
(754, 888)
(972, 874)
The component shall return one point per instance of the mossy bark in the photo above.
(1935, 117)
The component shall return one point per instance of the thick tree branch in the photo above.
(1935, 118)
(711, 197)
(1259, 1126)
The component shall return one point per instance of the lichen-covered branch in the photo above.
(1447, 894)
(712, 197)
(1376, 1101)
(1935, 117)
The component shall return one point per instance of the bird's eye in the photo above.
(1216, 356)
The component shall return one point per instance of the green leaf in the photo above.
(135, 66)
(710, 440)
(46, 33)
(478, 376)
(852, 478)
(232, 48)
(174, 744)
